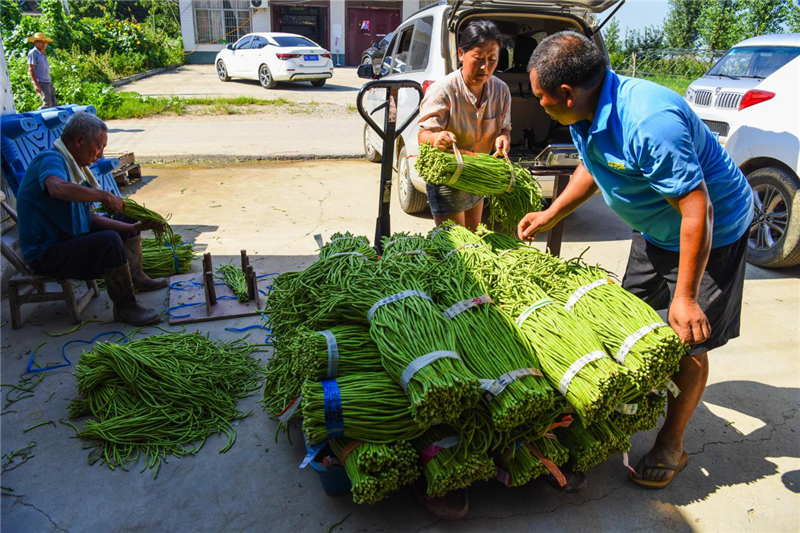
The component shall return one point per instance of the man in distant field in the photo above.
(39, 69)
(662, 171)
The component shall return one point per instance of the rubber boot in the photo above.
(141, 281)
(126, 309)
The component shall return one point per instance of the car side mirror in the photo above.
(229, 47)
(366, 71)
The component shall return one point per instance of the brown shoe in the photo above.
(126, 308)
(141, 281)
(452, 506)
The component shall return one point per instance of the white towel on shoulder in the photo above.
(77, 174)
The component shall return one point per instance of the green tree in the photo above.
(765, 16)
(680, 28)
(651, 38)
(611, 36)
(793, 18)
(720, 24)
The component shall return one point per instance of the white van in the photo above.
(424, 49)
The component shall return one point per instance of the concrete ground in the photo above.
(744, 473)
(201, 81)
(274, 133)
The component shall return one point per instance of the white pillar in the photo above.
(187, 24)
(409, 8)
(338, 31)
(5, 83)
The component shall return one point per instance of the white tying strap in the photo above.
(460, 161)
(388, 244)
(448, 442)
(440, 228)
(627, 408)
(672, 387)
(337, 239)
(319, 240)
(471, 245)
(349, 253)
(395, 298)
(500, 384)
(633, 338)
(581, 291)
(574, 368)
(333, 354)
(525, 314)
(420, 362)
(463, 305)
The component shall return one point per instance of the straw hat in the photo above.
(39, 36)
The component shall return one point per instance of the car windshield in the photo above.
(293, 41)
(753, 61)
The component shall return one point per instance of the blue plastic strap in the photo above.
(247, 328)
(311, 452)
(182, 306)
(334, 419)
(32, 370)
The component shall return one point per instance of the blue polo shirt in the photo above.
(646, 144)
(44, 220)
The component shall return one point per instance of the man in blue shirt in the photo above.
(61, 237)
(39, 69)
(661, 170)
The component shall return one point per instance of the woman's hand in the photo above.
(147, 225)
(502, 144)
(444, 140)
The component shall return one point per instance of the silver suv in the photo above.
(424, 49)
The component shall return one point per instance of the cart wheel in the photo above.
(411, 200)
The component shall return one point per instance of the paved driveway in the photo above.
(201, 80)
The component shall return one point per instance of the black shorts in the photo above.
(652, 274)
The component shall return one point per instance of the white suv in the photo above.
(750, 98)
(424, 49)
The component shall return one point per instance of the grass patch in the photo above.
(677, 84)
(133, 105)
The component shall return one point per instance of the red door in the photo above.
(367, 25)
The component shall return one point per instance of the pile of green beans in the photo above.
(452, 468)
(345, 243)
(377, 470)
(357, 353)
(614, 314)
(509, 208)
(160, 395)
(649, 409)
(139, 212)
(282, 383)
(374, 409)
(159, 260)
(235, 279)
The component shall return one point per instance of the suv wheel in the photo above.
(265, 77)
(319, 83)
(775, 232)
(369, 149)
(222, 71)
(411, 200)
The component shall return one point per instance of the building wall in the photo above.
(205, 53)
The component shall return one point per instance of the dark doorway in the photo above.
(367, 23)
(308, 21)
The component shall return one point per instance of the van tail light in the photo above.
(754, 96)
(284, 57)
(326, 55)
(426, 84)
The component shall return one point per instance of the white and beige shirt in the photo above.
(450, 106)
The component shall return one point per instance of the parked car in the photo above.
(273, 57)
(374, 54)
(424, 49)
(750, 98)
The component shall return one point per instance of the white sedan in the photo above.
(273, 57)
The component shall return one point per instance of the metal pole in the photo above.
(383, 224)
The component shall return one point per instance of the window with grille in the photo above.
(221, 21)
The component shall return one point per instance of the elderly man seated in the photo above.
(61, 237)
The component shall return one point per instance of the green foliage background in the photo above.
(98, 42)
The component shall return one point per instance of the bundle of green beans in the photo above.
(373, 408)
(639, 413)
(348, 243)
(141, 213)
(510, 198)
(376, 470)
(161, 260)
(408, 248)
(451, 462)
(282, 384)
(590, 446)
(492, 347)
(160, 395)
(407, 326)
(631, 331)
(571, 355)
(235, 279)
(523, 465)
(340, 351)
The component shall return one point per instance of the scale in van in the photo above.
(557, 156)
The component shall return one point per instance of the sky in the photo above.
(636, 14)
